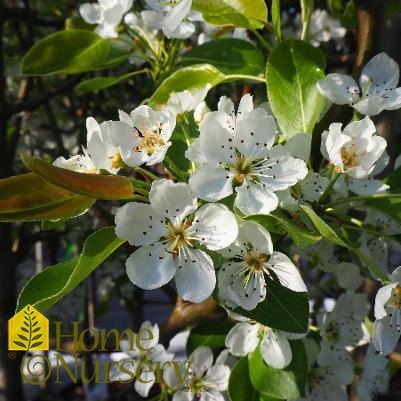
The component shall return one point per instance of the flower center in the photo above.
(178, 237)
(349, 157)
(255, 261)
(117, 161)
(151, 141)
(395, 300)
(242, 168)
(333, 332)
(196, 385)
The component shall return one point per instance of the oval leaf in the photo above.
(51, 284)
(230, 56)
(29, 197)
(98, 83)
(194, 77)
(292, 70)
(98, 186)
(66, 52)
(240, 387)
(287, 383)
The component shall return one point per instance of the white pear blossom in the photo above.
(274, 347)
(184, 101)
(236, 151)
(153, 353)
(105, 142)
(244, 278)
(375, 376)
(354, 150)
(377, 82)
(205, 381)
(326, 383)
(168, 15)
(323, 28)
(167, 232)
(387, 327)
(151, 130)
(106, 14)
(342, 328)
(320, 255)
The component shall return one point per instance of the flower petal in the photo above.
(242, 339)
(384, 336)
(275, 349)
(139, 224)
(211, 183)
(195, 278)
(215, 226)
(339, 88)
(143, 386)
(150, 266)
(202, 360)
(254, 199)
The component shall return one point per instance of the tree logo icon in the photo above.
(28, 330)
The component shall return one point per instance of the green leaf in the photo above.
(209, 334)
(66, 52)
(328, 233)
(240, 13)
(301, 236)
(36, 344)
(230, 56)
(292, 70)
(22, 337)
(240, 387)
(98, 83)
(194, 77)
(276, 20)
(287, 383)
(98, 186)
(282, 309)
(29, 197)
(20, 344)
(36, 337)
(53, 283)
(394, 180)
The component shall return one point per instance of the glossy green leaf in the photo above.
(29, 197)
(66, 52)
(230, 56)
(282, 309)
(53, 283)
(292, 70)
(276, 20)
(240, 13)
(287, 383)
(208, 334)
(98, 186)
(328, 233)
(193, 77)
(98, 83)
(301, 236)
(240, 387)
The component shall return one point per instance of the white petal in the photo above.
(366, 186)
(143, 388)
(174, 200)
(382, 297)
(217, 378)
(379, 74)
(242, 339)
(195, 278)
(216, 138)
(281, 172)
(139, 224)
(158, 155)
(339, 88)
(313, 186)
(256, 235)
(211, 183)
(393, 99)
(148, 344)
(275, 349)
(385, 337)
(150, 266)
(255, 134)
(371, 106)
(245, 106)
(226, 105)
(348, 276)
(91, 13)
(254, 199)
(332, 142)
(175, 17)
(182, 395)
(116, 374)
(286, 272)
(194, 153)
(202, 360)
(299, 146)
(215, 226)
(396, 275)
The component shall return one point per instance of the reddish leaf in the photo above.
(29, 197)
(98, 186)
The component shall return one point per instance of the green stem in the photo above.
(362, 198)
(262, 41)
(146, 174)
(244, 76)
(329, 187)
(306, 7)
